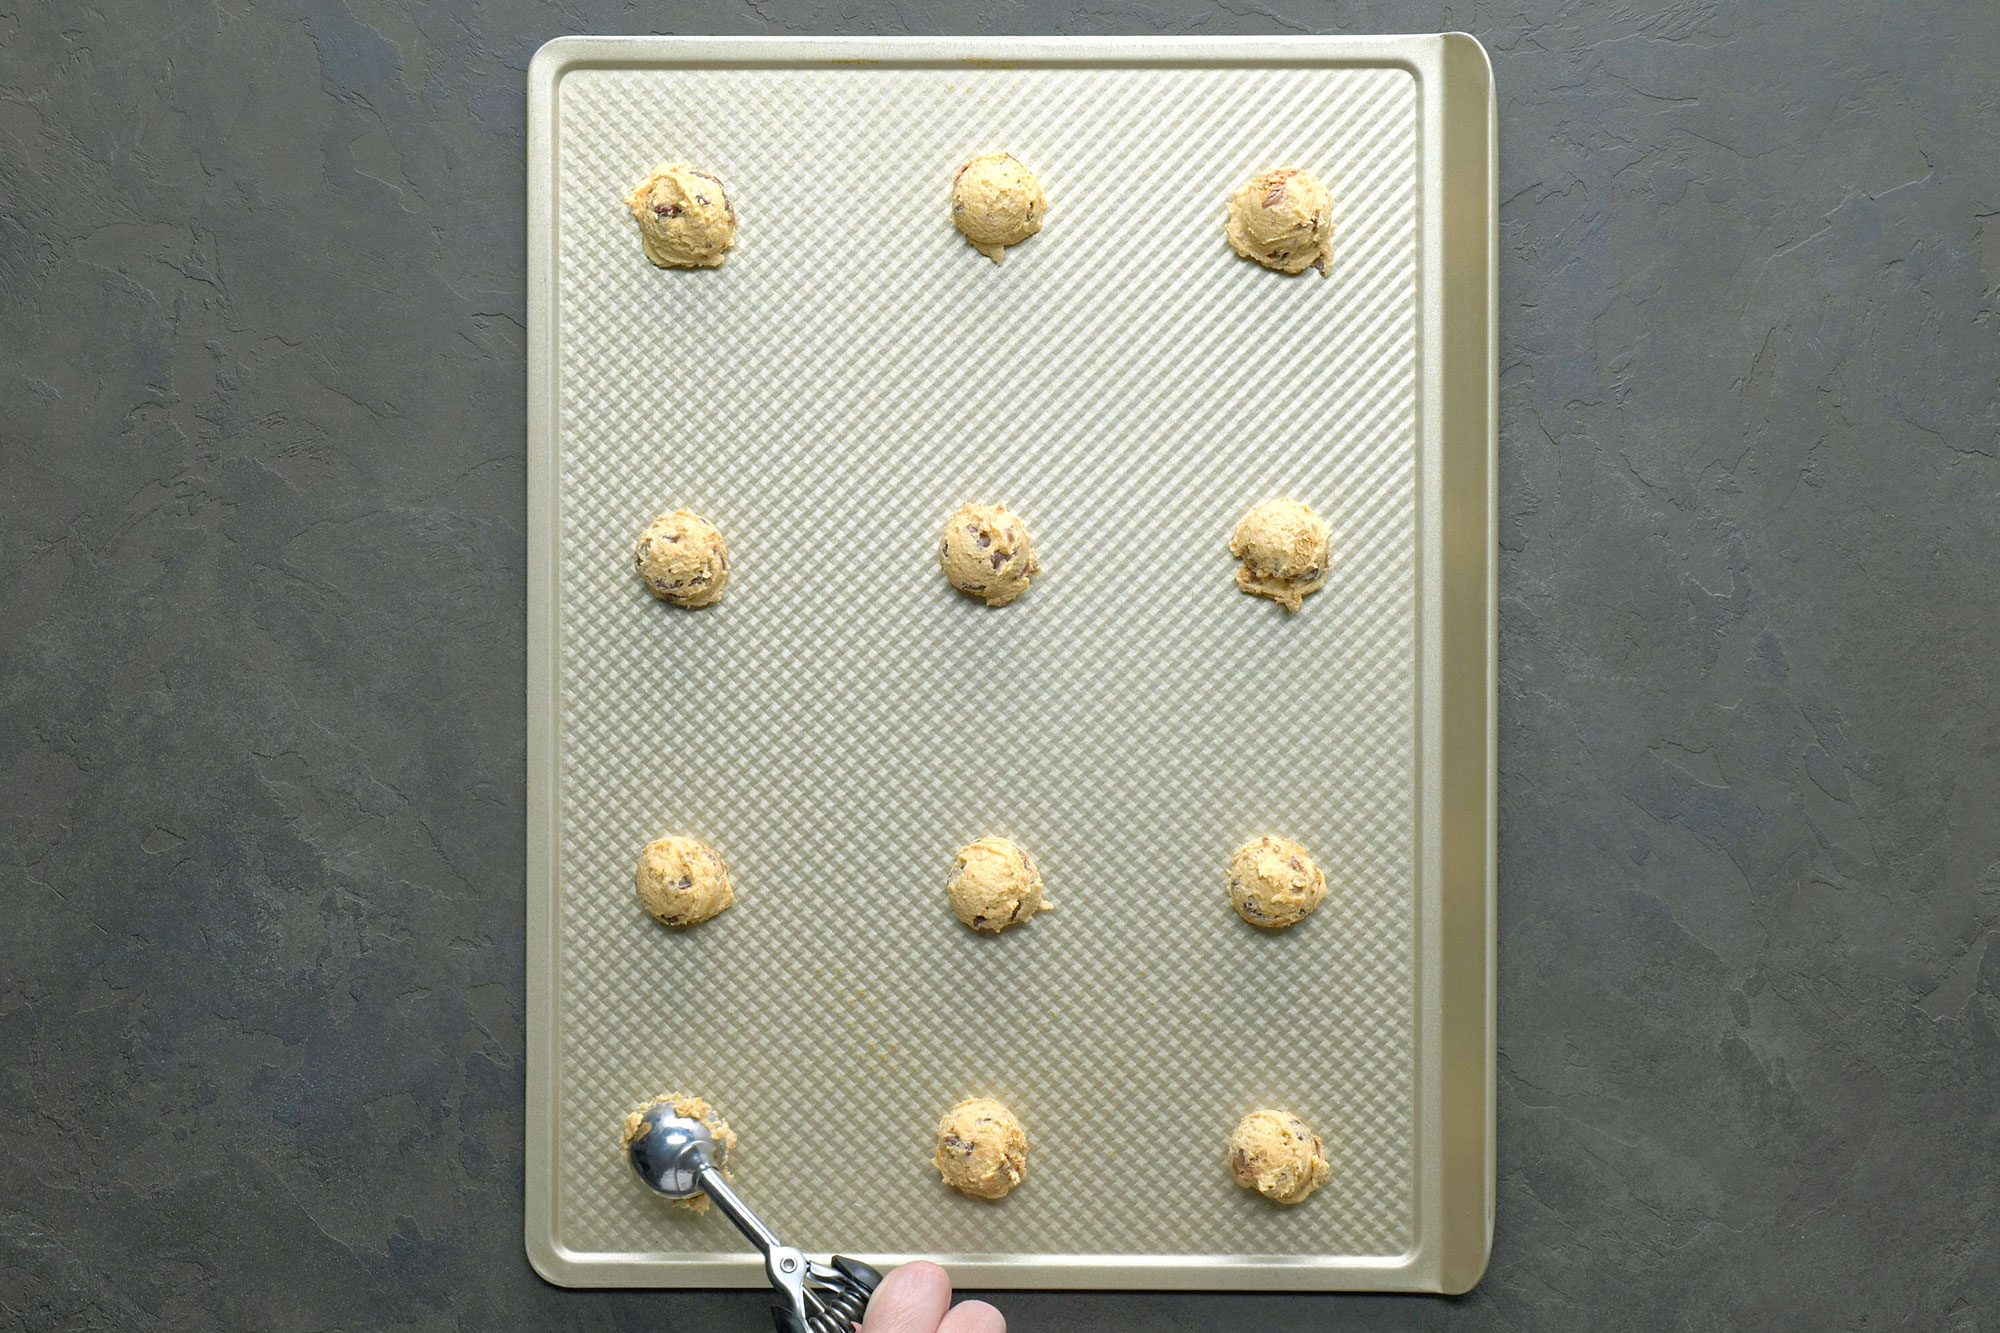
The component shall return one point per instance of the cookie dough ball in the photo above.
(1273, 1153)
(1284, 220)
(986, 553)
(685, 217)
(683, 560)
(981, 1149)
(682, 882)
(995, 886)
(1275, 883)
(997, 202)
(1283, 547)
(691, 1108)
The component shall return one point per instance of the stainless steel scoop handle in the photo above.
(679, 1158)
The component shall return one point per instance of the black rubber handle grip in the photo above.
(846, 1302)
(860, 1274)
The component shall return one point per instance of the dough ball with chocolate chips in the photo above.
(691, 1108)
(685, 217)
(682, 882)
(996, 202)
(682, 558)
(986, 553)
(1275, 883)
(1283, 545)
(981, 1149)
(995, 885)
(1284, 220)
(1273, 1153)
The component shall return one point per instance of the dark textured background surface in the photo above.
(261, 604)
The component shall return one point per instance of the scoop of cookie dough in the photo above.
(996, 202)
(682, 882)
(1274, 883)
(981, 1149)
(996, 885)
(1283, 547)
(986, 553)
(1273, 1153)
(692, 1108)
(683, 560)
(1284, 220)
(685, 217)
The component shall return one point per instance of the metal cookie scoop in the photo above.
(679, 1158)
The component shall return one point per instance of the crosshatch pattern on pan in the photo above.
(842, 722)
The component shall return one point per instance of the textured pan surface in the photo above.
(842, 721)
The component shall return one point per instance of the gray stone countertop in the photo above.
(261, 634)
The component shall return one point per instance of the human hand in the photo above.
(916, 1298)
